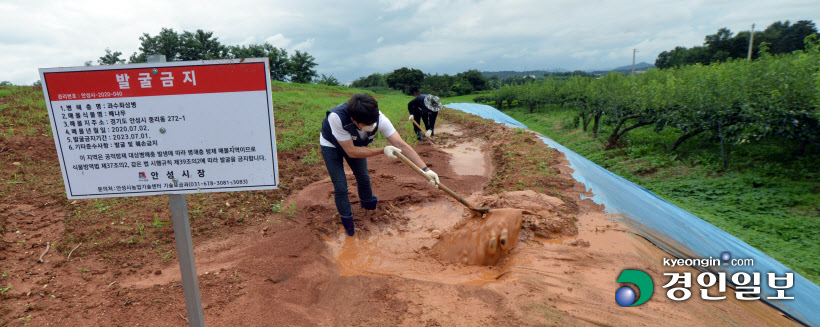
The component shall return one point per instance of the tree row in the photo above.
(202, 45)
(737, 101)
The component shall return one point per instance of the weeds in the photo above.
(157, 223)
(101, 205)
(167, 255)
(291, 210)
(25, 320)
(276, 207)
(312, 158)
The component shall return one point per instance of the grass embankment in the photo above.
(142, 224)
(768, 197)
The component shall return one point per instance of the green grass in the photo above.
(459, 99)
(22, 112)
(767, 198)
(300, 108)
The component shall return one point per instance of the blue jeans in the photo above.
(335, 167)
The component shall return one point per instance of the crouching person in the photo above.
(346, 131)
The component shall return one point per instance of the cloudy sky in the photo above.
(350, 39)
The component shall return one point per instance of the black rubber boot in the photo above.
(349, 225)
(418, 135)
(370, 205)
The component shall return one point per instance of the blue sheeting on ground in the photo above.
(675, 230)
(486, 112)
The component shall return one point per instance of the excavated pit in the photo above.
(441, 240)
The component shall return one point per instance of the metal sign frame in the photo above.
(147, 157)
(177, 200)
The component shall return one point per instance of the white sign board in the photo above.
(163, 128)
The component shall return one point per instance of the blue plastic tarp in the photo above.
(673, 229)
(486, 112)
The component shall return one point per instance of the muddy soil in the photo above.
(295, 267)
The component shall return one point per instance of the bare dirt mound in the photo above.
(280, 258)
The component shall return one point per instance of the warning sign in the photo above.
(163, 128)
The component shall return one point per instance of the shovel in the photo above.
(480, 210)
(430, 138)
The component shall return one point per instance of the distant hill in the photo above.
(625, 69)
(639, 66)
(509, 73)
(540, 73)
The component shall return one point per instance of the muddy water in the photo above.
(467, 158)
(482, 241)
(450, 129)
(408, 252)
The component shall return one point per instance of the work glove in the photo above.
(411, 117)
(434, 177)
(390, 151)
(429, 133)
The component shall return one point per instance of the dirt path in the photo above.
(297, 268)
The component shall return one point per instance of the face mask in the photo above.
(369, 128)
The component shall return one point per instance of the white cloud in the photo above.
(278, 40)
(434, 36)
(305, 45)
(248, 40)
(394, 5)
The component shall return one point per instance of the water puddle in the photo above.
(467, 158)
(407, 253)
(411, 251)
(449, 129)
(484, 241)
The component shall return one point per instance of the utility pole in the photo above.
(751, 41)
(633, 60)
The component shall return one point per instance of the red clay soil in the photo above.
(291, 265)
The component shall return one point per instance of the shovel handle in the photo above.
(440, 185)
(425, 136)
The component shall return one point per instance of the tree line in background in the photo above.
(404, 79)
(202, 45)
(468, 82)
(775, 97)
(781, 37)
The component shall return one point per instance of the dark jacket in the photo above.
(348, 125)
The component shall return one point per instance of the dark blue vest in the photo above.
(349, 126)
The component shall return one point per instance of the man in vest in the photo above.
(423, 107)
(346, 131)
